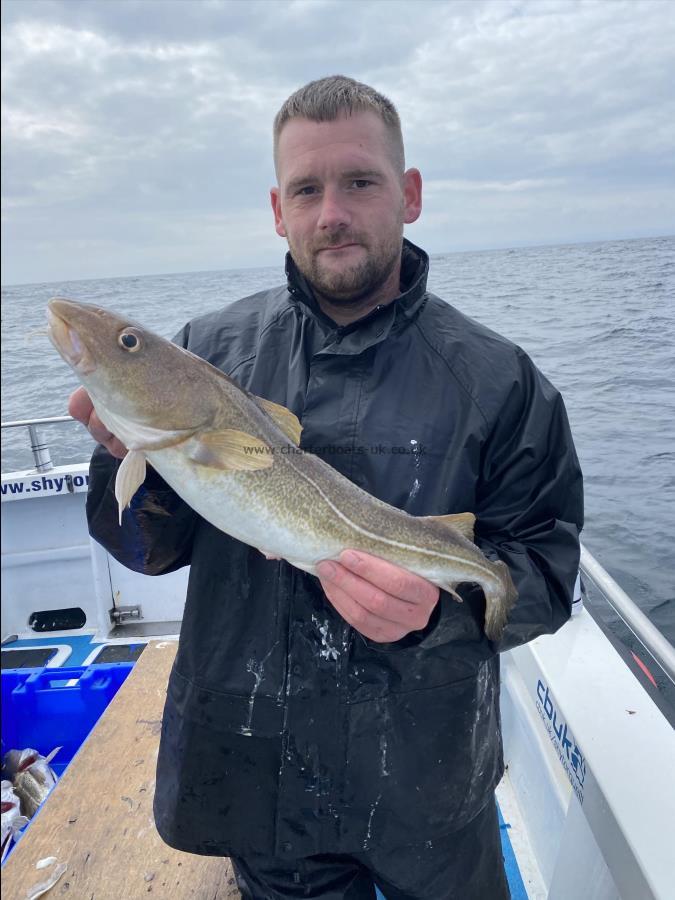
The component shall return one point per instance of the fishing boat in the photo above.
(588, 798)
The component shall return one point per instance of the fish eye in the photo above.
(129, 340)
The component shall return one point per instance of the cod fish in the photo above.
(32, 777)
(12, 820)
(235, 459)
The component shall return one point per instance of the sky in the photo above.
(136, 134)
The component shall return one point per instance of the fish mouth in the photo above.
(66, 338)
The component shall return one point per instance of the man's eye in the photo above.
(306, 191)
(361, 183)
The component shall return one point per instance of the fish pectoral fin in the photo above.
(462, 522)
(130, 476)
(285, 419)
(231, 450)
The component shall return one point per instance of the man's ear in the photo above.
(276, 208)
(412, 195)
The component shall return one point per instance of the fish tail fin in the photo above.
(499, 601)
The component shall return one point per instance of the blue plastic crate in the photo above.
(48, 708)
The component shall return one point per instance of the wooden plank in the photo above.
(98, 819)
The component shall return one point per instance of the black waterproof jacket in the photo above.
(285, 732)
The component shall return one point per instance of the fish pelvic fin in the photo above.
(284, 418)
(499, 601)
(450, 588)
(462, 522)
(130, 476)
(231, 451)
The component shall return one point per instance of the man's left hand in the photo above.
(380, 600)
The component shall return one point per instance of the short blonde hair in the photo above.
(326, 99)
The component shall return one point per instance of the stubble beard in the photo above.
(356, 282)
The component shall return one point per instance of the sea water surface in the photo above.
(598, 319)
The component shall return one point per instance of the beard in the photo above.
(355, 281)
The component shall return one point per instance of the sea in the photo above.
(597, 318)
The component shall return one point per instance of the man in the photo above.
(328, 734)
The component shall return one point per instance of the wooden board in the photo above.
(98, 819)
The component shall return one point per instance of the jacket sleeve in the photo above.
(530, 505)
(156, 531)
(529, 513)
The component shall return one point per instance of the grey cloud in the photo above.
(541, 89)
(137, 135)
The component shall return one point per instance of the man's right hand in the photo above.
(81, 408)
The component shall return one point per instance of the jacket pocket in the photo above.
(217, 781)
(221, 711)
(423, 763)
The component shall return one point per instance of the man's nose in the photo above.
(334, 212)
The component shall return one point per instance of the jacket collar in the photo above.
(379, 322)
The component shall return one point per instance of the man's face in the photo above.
(341, 204)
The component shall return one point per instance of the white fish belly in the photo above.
(234, 503)
(227, 501)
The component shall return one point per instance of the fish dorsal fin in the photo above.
(285, 419)
(462, 522)
(230, 450)
(130, 476)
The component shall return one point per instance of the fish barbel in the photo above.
(235, 459)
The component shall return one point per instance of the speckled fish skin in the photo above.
(222, 451)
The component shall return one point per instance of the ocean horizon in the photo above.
(597, 317)
(435, 255)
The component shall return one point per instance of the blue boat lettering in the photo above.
(50, 485)
(568, 750)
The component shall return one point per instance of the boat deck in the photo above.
(69, 650)
(525, 879)
(98, 820)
